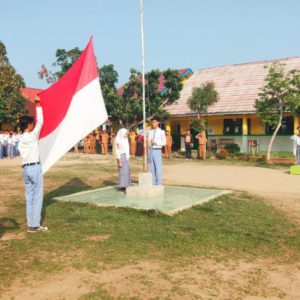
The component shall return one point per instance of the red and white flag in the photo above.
(73, 107)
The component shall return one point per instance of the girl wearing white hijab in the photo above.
(123, 156)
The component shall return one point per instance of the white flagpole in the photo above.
(145, 165)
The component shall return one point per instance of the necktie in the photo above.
(154, 136)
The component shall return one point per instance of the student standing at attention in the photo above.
(104, 142)
(188, 142)
(202, 141)
(157, 140)
(169, 143)
(132, 139)
(296, 138)
(123, 156)
(32, 170)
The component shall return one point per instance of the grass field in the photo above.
(237, 227)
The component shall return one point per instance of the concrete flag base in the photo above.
(145, 187)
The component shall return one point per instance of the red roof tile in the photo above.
(29, 94)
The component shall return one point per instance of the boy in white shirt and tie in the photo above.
(32, 171)
(157, 140)
(296, 138)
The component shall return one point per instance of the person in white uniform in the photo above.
(32, 171)
(123, 156)
(11, 141)
(156, 140)
(296, 138)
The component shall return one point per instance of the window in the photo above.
(232, 126)
(287, 126)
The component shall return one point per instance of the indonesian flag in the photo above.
(73, 107)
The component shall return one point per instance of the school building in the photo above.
(233, 118)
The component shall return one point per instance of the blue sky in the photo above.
(178, 33)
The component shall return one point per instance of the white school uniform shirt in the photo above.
(29, 141)
(17, 138)
(296, 138)
(11, 140)
(5, 138)
(159, 138)
(1, 138)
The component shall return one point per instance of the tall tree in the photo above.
(12, 104)
(64, 60)
(125, 107)
(280, 94)
(294, 102)
(128, 108)
(201, 99)
(108, 77)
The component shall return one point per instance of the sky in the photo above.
(192, 34)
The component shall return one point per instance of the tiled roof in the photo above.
(237, 85)
(161, 86)
(29, 94)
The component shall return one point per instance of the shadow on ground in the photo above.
(109, 183)
(73, 186)
(8, 224)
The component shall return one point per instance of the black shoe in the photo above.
(122, 190)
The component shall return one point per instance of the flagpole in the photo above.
(145, 165)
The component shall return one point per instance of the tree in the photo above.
(108, 78)
(126, 108)
(64, 60)
(12, 104)
(294, 102)
(280, 94)
(201, 99)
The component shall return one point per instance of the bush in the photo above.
(223, 153)
(232, 148)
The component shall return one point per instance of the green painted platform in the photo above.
(295, 170)
(174, 199)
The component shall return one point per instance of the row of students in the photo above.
(94, 143)
(9, 142)
(136, 141)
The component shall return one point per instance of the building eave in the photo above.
(213, 114)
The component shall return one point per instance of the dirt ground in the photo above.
(205, 279)
(157, 280)
(275, 185)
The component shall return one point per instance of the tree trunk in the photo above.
(273, 138)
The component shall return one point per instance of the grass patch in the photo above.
(230, 227)
(236, 225)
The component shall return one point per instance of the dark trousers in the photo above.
(188, 151)
(98, 147)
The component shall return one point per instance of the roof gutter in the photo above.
(214, 114)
